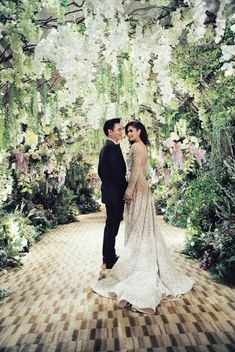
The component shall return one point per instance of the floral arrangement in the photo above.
(215, 251)
(17, 234)
(5, 179)
(35, 165)
(179, 144)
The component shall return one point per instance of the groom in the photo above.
(112, 171)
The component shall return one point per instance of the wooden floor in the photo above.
(51, 307)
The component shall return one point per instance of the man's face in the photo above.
(116, 133)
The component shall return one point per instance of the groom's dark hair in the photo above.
(109, 125)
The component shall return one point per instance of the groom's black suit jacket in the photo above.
(112, 171)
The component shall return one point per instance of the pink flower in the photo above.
(49, 165)
(169, 143)
(198, 152)
(61, 178)
(22, 162)
(166, 173)
(178, 156)
(163, 167)
(43, 170)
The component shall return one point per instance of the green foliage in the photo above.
(161, 194)
(41, 218)
(86, 203)
(225, 179)
(17, 234)
(203, 199)
(38, 176)
(196, 203)
(3, 257)
(64, 2)
(77, 180)
(194, 245)
(4, 292)
(187, 113)
(211, 238)
(221, 111)
(196, 62)
(215, 250)
(59, 204)
(211, 93)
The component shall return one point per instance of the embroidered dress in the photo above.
(145, 274)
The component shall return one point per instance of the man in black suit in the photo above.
(112, 171)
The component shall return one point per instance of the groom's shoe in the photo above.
(110, 265)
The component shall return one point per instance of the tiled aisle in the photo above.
(52, 309)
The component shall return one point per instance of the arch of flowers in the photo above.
(66, 66)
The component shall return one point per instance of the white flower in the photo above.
(174, 136)
(24, 242)
(184, 145)
(228, 51)
(1, 30)
(220, 22)
(192, 243)
(228, 68)
(194, 140)
(14, 227)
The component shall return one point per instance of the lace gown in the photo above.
(145, 274)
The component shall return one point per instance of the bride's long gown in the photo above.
(145, 274)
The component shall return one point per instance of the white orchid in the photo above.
(221, 21)
(184, 144)
(228, 68)
(228, 51)
(174, 136)
(194, 140)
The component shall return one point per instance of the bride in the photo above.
(145, 274)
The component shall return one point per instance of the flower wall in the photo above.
(67, 66)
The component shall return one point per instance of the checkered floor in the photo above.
(51, 307)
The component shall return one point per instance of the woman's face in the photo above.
(133, 134)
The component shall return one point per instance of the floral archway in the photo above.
(66, 66)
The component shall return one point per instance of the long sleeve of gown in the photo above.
(135, 169)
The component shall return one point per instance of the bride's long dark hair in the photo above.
(139, 126)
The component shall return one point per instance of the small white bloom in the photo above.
(228, 51)
(228, 68)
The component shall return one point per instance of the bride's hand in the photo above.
(127, 198)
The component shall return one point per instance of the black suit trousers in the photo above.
(114, 212)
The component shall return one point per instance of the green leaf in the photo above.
(231, 259)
